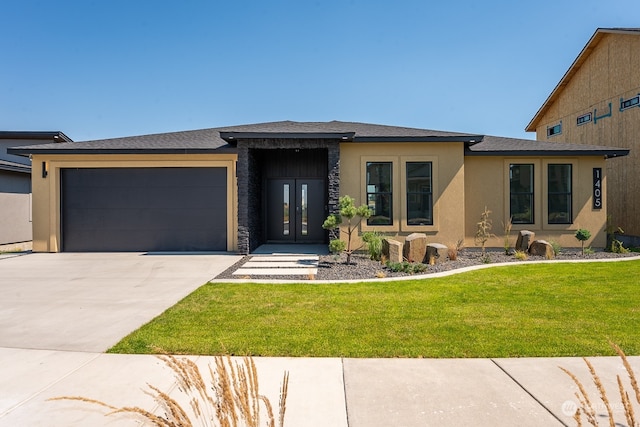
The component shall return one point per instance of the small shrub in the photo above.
(588, 251)
(583, 235)
(452, 250)
(373, 239)
(406, 267)
(483, 232)
(381, 274)
(507, 235)
(486, 259)
(521, 255)
(556, 247)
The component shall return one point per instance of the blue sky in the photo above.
(106, 68)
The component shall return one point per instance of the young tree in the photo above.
(583, 235)
(348, 210)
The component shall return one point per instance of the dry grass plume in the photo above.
(231, 399)
(586, 408)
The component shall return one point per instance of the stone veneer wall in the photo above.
(250, 227)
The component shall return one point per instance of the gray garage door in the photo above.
(144, 209)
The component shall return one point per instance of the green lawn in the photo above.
(521, 310)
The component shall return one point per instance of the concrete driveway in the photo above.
(89, 301)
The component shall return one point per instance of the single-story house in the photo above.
(15, 184)
(235, 188)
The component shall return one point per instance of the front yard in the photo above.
(559, 309)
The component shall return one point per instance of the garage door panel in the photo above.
(144, 209)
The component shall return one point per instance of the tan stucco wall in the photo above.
(487, 184)
(46, 191)
(448, 184)
(610, 72)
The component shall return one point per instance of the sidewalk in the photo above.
(322, 391)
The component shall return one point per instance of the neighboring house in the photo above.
(597, 102)
(235, 188)
(15, 184)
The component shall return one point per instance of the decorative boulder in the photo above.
(392, 250)
(415, 247)
(541, 248)
(436, 253)
(525, 237)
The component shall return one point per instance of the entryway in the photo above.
(295, 210)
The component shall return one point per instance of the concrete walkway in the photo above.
(322, 391)
(59, 312)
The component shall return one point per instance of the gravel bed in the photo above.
(332, 267)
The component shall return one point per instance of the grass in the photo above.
(559, 309)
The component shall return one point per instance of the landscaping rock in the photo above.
(541, 248)
(415, 247)
(436, 253)
(392, 250)
(525, 237)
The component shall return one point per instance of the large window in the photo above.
(521, 193)
(559, 193)
(379, 193)
(419, 193)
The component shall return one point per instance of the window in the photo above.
(554, 130)
(419, 193)
(629, 103)
(379, 193)
(585, 118)
(521, 193)
(559, 193)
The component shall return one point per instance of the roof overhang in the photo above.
(607, 154)
(76, 150)
(54, 136)
(233, 137)
(14, 167)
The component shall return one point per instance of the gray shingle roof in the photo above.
(501, 146)
(212, 140)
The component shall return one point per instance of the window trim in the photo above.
(532, 193)
(571, 193)
(551, 130)
(576, 193)
(390, 192)
(537, 192)
(632, 102)
(394, 226)
(584, 119)
(435, 194)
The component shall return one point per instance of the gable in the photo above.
(608, 64)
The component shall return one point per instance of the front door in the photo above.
(295, 210)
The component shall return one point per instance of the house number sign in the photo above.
(597, 188)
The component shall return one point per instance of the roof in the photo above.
(217, 140)
(56, 136)
(579, 61)
(500, 146)
(223, 140)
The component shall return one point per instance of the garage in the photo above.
(144, 209)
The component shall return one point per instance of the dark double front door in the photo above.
(295, 210)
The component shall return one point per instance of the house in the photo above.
(235, 188)
(597, 101)
(15, 184)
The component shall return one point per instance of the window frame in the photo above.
(408, 194)
(551, 130)
(531, 193)
(390, 193)
(570, 194)
(629, 102)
